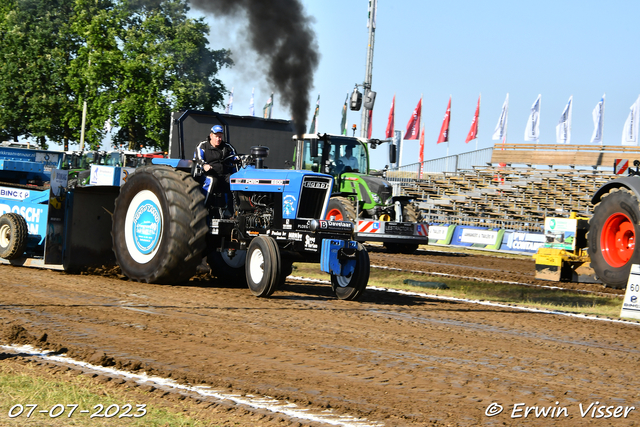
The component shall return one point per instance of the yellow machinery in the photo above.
(556, 262)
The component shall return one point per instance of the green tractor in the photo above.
(362, 197)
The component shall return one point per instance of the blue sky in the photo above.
(462, 49)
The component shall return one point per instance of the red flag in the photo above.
(391, 122)
(473, 132)
(369, 127)
(413, 127)
(444, 131)
(421, 150)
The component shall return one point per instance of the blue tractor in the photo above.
(270, 219)
(152, 221)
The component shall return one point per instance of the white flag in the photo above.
(230, 104)
(563, 129)
(500, 131)
(252, 107)
(598, 122)
(532, 132)
(630, 131)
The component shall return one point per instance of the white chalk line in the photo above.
(488, 303)
(289, 409)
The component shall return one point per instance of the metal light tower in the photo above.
(373, 5)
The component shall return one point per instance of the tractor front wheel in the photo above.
(351, 288)
(263, 266)
(613, 230)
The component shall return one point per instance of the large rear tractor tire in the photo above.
(159, 226)
(613, 231)
(351, 288)
(263, 266)
(341, 209)
(13, 236)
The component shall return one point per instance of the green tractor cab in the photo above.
(360, 197)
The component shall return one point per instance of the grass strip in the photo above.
(23, 386)
(528, 296)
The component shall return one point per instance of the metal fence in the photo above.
(450, 164)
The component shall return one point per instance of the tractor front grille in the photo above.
(314, 196)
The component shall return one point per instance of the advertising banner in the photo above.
(631, 303)
(477, 237)
(521, 241)
(560, 233)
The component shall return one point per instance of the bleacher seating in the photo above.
(506, 197)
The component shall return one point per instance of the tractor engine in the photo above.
(257, 209)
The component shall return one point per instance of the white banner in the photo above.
(500, 131)
(598, 122)
(532, 132)
(483, 237)
(438, 232)
(630, 130)
(563, 129)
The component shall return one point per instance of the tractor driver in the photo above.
(216, 158)
(349, 160)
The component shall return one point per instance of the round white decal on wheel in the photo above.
(143, 226)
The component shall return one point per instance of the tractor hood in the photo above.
(379, 186)
(305, 194)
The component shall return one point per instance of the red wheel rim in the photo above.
(334, 213)
(618, 240)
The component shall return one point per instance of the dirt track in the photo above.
(399, 360)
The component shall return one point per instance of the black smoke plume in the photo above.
(280, 34)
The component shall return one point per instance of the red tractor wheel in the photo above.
(341, 209)
(612, 237)
(618, 240)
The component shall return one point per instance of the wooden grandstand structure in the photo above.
(562, 154)
(523, 184)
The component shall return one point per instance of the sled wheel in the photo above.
(226, 268)
(612, 237)
(351, 288)
(263, 266)
(13, 235)
(159, 226)
(341, 209)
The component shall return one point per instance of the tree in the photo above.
(166, 66)
(132, 62)
(33, 56)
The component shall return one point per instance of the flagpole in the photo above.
(506, 125)
(448, 135)
(602, 130)
(478, 120)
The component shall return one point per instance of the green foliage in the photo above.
(132, 62)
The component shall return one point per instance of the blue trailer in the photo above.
(42, 222)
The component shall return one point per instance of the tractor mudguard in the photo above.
(630, 182)
(338, 256)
